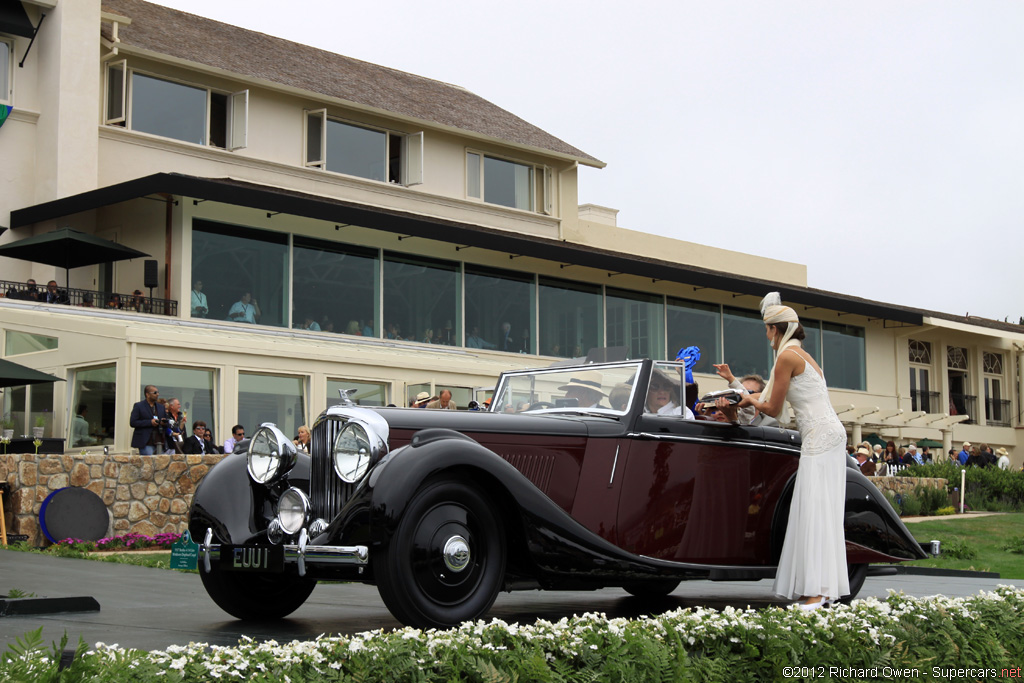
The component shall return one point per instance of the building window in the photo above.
(508, 183)
(170, 109)
(6, 60)
(18, 343)
(690, 323)
(94, 401)
(843, 356)
(919, 352)
(956, 358)
(323, 270)
(745, 346)
(271, 398)
(637, 322)
(362, 151)
(232, 261)
(960, 401)
(993, 363)
(421, 299)
(500, 310)
(571, 319)
(812, 340)
(997, 410)
(194, 389)
(366, 394)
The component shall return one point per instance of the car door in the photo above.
(693, 491)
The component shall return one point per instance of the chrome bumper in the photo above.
(300, 553)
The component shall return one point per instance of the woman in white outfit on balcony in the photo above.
(813, 563)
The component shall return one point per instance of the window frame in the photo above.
(541, 182)
(236, 124)
(411, 150)
(7, 94)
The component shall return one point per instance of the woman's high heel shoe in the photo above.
(824, 602)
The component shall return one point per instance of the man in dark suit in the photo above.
(145, 419)
(197, 443)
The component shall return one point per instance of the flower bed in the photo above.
(122, 544)
(872, 639)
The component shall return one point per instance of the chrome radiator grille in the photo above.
(327, 492)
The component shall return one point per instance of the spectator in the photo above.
(237, 434)
(475, 341)
(146, 420)
(1004, 459)
(976, 459)
(80, 428)
(505, 342)
(31, 293)
(302, 439)
(138, 302)
(926, 454)
(913, 457)
(421, 400)
(114, 302)
(200, 307)
(964, 453)
(197, 443)
(176, 426)
(54, 295)
(443, 402)
(86, 300)
(867, 468)
(245, 310)
(877, 453)
(211, 447)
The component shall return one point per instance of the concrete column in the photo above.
(858, 435)
(67, 48)
(947, 442)
(1019, 422)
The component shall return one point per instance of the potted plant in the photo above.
(37, 431)
(7, 424)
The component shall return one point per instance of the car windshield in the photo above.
(599, 388)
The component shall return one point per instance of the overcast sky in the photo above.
(881, 143)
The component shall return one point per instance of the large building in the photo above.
(314, 222)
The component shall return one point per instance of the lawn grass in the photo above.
(986, 535)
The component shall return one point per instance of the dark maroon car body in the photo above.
(459, 505)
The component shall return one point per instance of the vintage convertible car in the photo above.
(576, 478)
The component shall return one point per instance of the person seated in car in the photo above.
(618, 397)
(662, 394)
(585, 388)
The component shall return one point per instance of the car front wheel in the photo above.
(256, 597)
(445, 562)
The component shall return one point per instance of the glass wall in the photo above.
(812, 342)
(367, 393)
(271, 398)
(637, 322)
(691, 323)
(746, 347)
(193, 387)
(421, 299)
(94, 400)
(335, 287)
(168, 109)
(17, 343)
(844, 358)
(232, 261)
(15, 402)
(570, 318)
(500, 310)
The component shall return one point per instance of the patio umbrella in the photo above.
(14, 375)
(875, 440)
(930, 443)
(67, 248)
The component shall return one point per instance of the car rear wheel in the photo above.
(654, 588)
(857, 573)
(256, 597)
(445, 562)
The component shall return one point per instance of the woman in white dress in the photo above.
(813, 563)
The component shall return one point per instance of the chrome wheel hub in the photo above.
(456, 553)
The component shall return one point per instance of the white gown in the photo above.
(813, 558)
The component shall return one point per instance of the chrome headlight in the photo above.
(293, 510)
(352, 452)
(271, 454)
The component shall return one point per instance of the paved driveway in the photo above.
(152, 608)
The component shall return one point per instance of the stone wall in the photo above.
(145, 494)
(903, 485)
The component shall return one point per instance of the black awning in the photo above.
(14, 20)
(276, 200)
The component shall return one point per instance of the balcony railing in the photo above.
(928, 401)
(89, 298)
(997, 412)
(964, 404)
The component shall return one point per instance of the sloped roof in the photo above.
(189, 37)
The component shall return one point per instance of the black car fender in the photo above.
(238, 509)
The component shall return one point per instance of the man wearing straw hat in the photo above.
(585, 387)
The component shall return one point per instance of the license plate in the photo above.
(251, 558)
